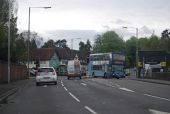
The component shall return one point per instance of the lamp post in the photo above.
(9, 36)
(137, 58)
(72, 42)
(29, 35)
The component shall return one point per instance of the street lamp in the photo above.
(72, 42)
(137, 58)
(9, 36)
(29, 34)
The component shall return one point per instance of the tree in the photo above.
(61, 43)
(166, 34)
(4, 29)
(85, 47)
(49, 44)
(131, 51)
(109, 42)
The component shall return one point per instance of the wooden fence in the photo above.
(17, 72)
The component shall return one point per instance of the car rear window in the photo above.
(45, 70)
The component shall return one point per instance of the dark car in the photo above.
(118, 74)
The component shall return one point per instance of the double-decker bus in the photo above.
(106, 65)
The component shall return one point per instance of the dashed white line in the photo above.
(62, 81)
(126, 89)
(62, 85)
(157, 97)
(91, 110)
(65, 88)
(84, 84)
(74, 97)
(112, 86)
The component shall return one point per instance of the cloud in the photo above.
(120, 21)
(146, 30)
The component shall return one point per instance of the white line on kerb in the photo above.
(84, 84)
(74, 97)
(89, 109)
(157, 112)
(65, 88)
(157, 97)
(126, 89)
(117, 85)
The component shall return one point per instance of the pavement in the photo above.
(8, 89)
(157, 81)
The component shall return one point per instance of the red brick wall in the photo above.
(18, 72)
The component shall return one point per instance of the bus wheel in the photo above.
(93, 75)
(104, 75)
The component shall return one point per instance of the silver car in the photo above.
(46, 75)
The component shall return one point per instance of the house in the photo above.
(57, 58)
(46, 57)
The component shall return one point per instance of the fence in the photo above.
(18, 72)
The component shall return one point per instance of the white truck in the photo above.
(73, 68)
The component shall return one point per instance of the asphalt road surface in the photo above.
(90, 96)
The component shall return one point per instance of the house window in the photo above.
(42, 62)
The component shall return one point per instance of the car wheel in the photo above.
(55, 83)
(80, 77)
(68, 78)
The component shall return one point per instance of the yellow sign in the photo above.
(140, 64)
(163, 64)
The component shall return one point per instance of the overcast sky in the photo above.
(96, 15)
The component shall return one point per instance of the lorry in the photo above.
(73, 68)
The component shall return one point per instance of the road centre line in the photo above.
(91, 110)
(157, 97)
(126, 89)
(74, 97)
(65, 88)
(84, 84)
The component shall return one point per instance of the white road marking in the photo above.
(62, 85)
(45, 86)
(157, 112)
(126, 89)
(74, 97)
(61, 81)
(84, 84)
(91, 110)
(112, 86)
(157, 97)
(65, 88)
(117, 85)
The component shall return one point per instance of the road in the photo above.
(90, 96)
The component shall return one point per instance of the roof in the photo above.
(63, 53)
(42, 54)
(67, 54)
